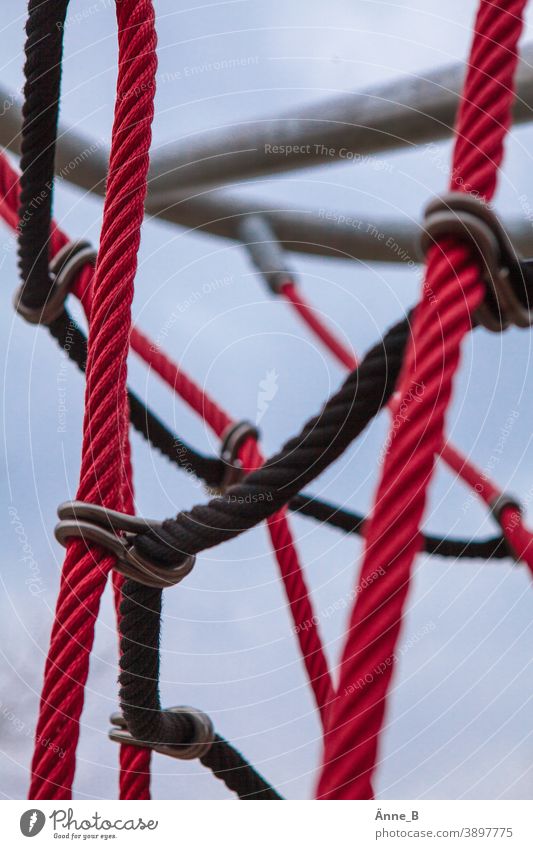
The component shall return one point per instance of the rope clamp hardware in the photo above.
(116, 532)
(265, 251)
(505, 273)
(496, 507)
(231, 441)
(204, 735)
(64, 267)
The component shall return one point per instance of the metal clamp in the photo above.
(498, 504)
(496, 507)
(203, 738)
(504, 272)
(63, 269)
(102, 526)
(232, 439)
(266, 253)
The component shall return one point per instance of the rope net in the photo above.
(420, 354)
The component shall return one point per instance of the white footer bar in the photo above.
(302, 825)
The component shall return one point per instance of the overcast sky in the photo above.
(459, 722)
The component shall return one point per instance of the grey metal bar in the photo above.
(257, 236)
(321, 232)
(310, 231)
(413, 110)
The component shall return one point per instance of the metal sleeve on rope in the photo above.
(115, 531)
(266, 253)
(197, 746)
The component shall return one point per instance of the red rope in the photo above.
(304, 618)
(461, 465)
(312, 318)
(297, 593)
(451, 291)
(103, 476)
(180, 383)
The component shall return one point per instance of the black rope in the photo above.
(353, 523)
(44, 48)
(227, 764)
(266, 490)
(492, 548)
(322, 440)
(211, 469)
(42, 69)
(140, 702)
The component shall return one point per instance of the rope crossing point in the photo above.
(427, 355)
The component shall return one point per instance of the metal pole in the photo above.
(310, 231)
(299, 230)
(404, 113)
